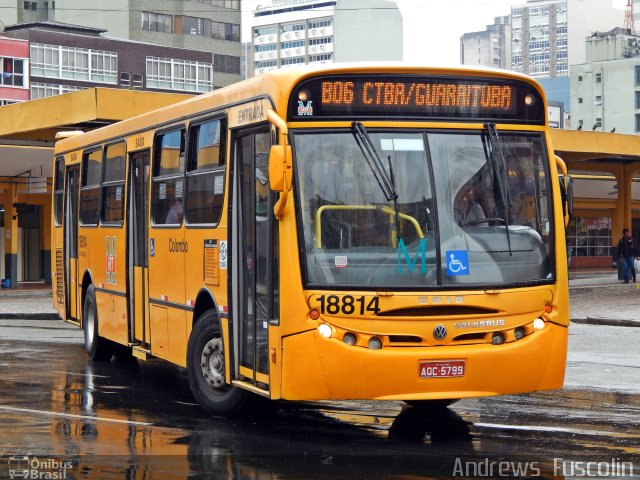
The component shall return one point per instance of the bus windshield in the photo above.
(472, 209)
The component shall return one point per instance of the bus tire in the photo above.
(431, 404)
(98, 348)
(206, 369)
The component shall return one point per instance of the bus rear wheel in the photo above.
(206, 369)
(98, 348)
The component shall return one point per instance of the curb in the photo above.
(609, 322)
(30, 316)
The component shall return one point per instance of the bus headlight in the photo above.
(538, 324)
(325, 330)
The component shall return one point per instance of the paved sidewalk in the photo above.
(596, 297)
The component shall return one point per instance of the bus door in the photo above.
(71, 242)
(137, 241)
(253, 288)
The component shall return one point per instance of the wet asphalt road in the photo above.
(63, 415)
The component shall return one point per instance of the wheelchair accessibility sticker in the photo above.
(457, 262)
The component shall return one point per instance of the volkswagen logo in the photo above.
(440, 332)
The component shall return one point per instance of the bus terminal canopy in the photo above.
(28, 129)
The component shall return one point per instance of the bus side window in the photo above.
(206, 172)
(90, 189)
(113, 184)
(168, 178)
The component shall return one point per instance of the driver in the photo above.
(467, 210)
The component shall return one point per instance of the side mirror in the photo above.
(280, 167)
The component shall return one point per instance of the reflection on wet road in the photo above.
(130, 420)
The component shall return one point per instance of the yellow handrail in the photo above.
(390, 211)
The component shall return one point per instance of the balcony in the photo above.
(321, 32)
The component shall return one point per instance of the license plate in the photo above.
(444, 369)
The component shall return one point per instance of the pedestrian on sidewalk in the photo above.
(627, 254)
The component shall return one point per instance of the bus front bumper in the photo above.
(319, 368)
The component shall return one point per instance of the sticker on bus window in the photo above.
(179, 189)
(340, 261)
(223, 255)
(118, 194)
(162, 191)
(218, 185)
(457, 262)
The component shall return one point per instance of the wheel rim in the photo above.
(212, 364)
(89, 326)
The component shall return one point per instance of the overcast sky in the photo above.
(432, 28)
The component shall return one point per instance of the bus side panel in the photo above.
(167, 289)
(203, 264)
(108, 270)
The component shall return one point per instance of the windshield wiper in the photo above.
(385, 180)
(499, 167)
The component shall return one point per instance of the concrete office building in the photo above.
(548, 35)
(488, 48)
(299, 32)
(605, 90)
(209, 25)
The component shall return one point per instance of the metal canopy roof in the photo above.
(28, 129)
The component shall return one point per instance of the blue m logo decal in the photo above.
(421, 253)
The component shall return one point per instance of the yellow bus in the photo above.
(338, 232)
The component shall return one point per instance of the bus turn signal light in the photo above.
(314, 314)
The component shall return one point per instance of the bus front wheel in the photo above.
(206, 369)
(98, 348)
(431, 404)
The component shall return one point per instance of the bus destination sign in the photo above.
(438, 98)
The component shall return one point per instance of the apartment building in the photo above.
(548, 35)
(293, 33)
(488, 48)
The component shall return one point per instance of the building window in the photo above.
(598, 78)
(637, 99)
(26, 5)
(292, 61)
(13, 72)
(579, 78)
(226, 31)
(320, 41)
(296, 44)
(265, 64)
(43, 90)
(579, 99)
(589, 236)
(157, 22)
(637, 122)
(322, 23)
(598, 122)
(34, 6)
(175, 74)
(294, 27)
(258, 32)
(269, 47)
(322, 58)
(598, 100)
(226, 64)
(56, 61)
